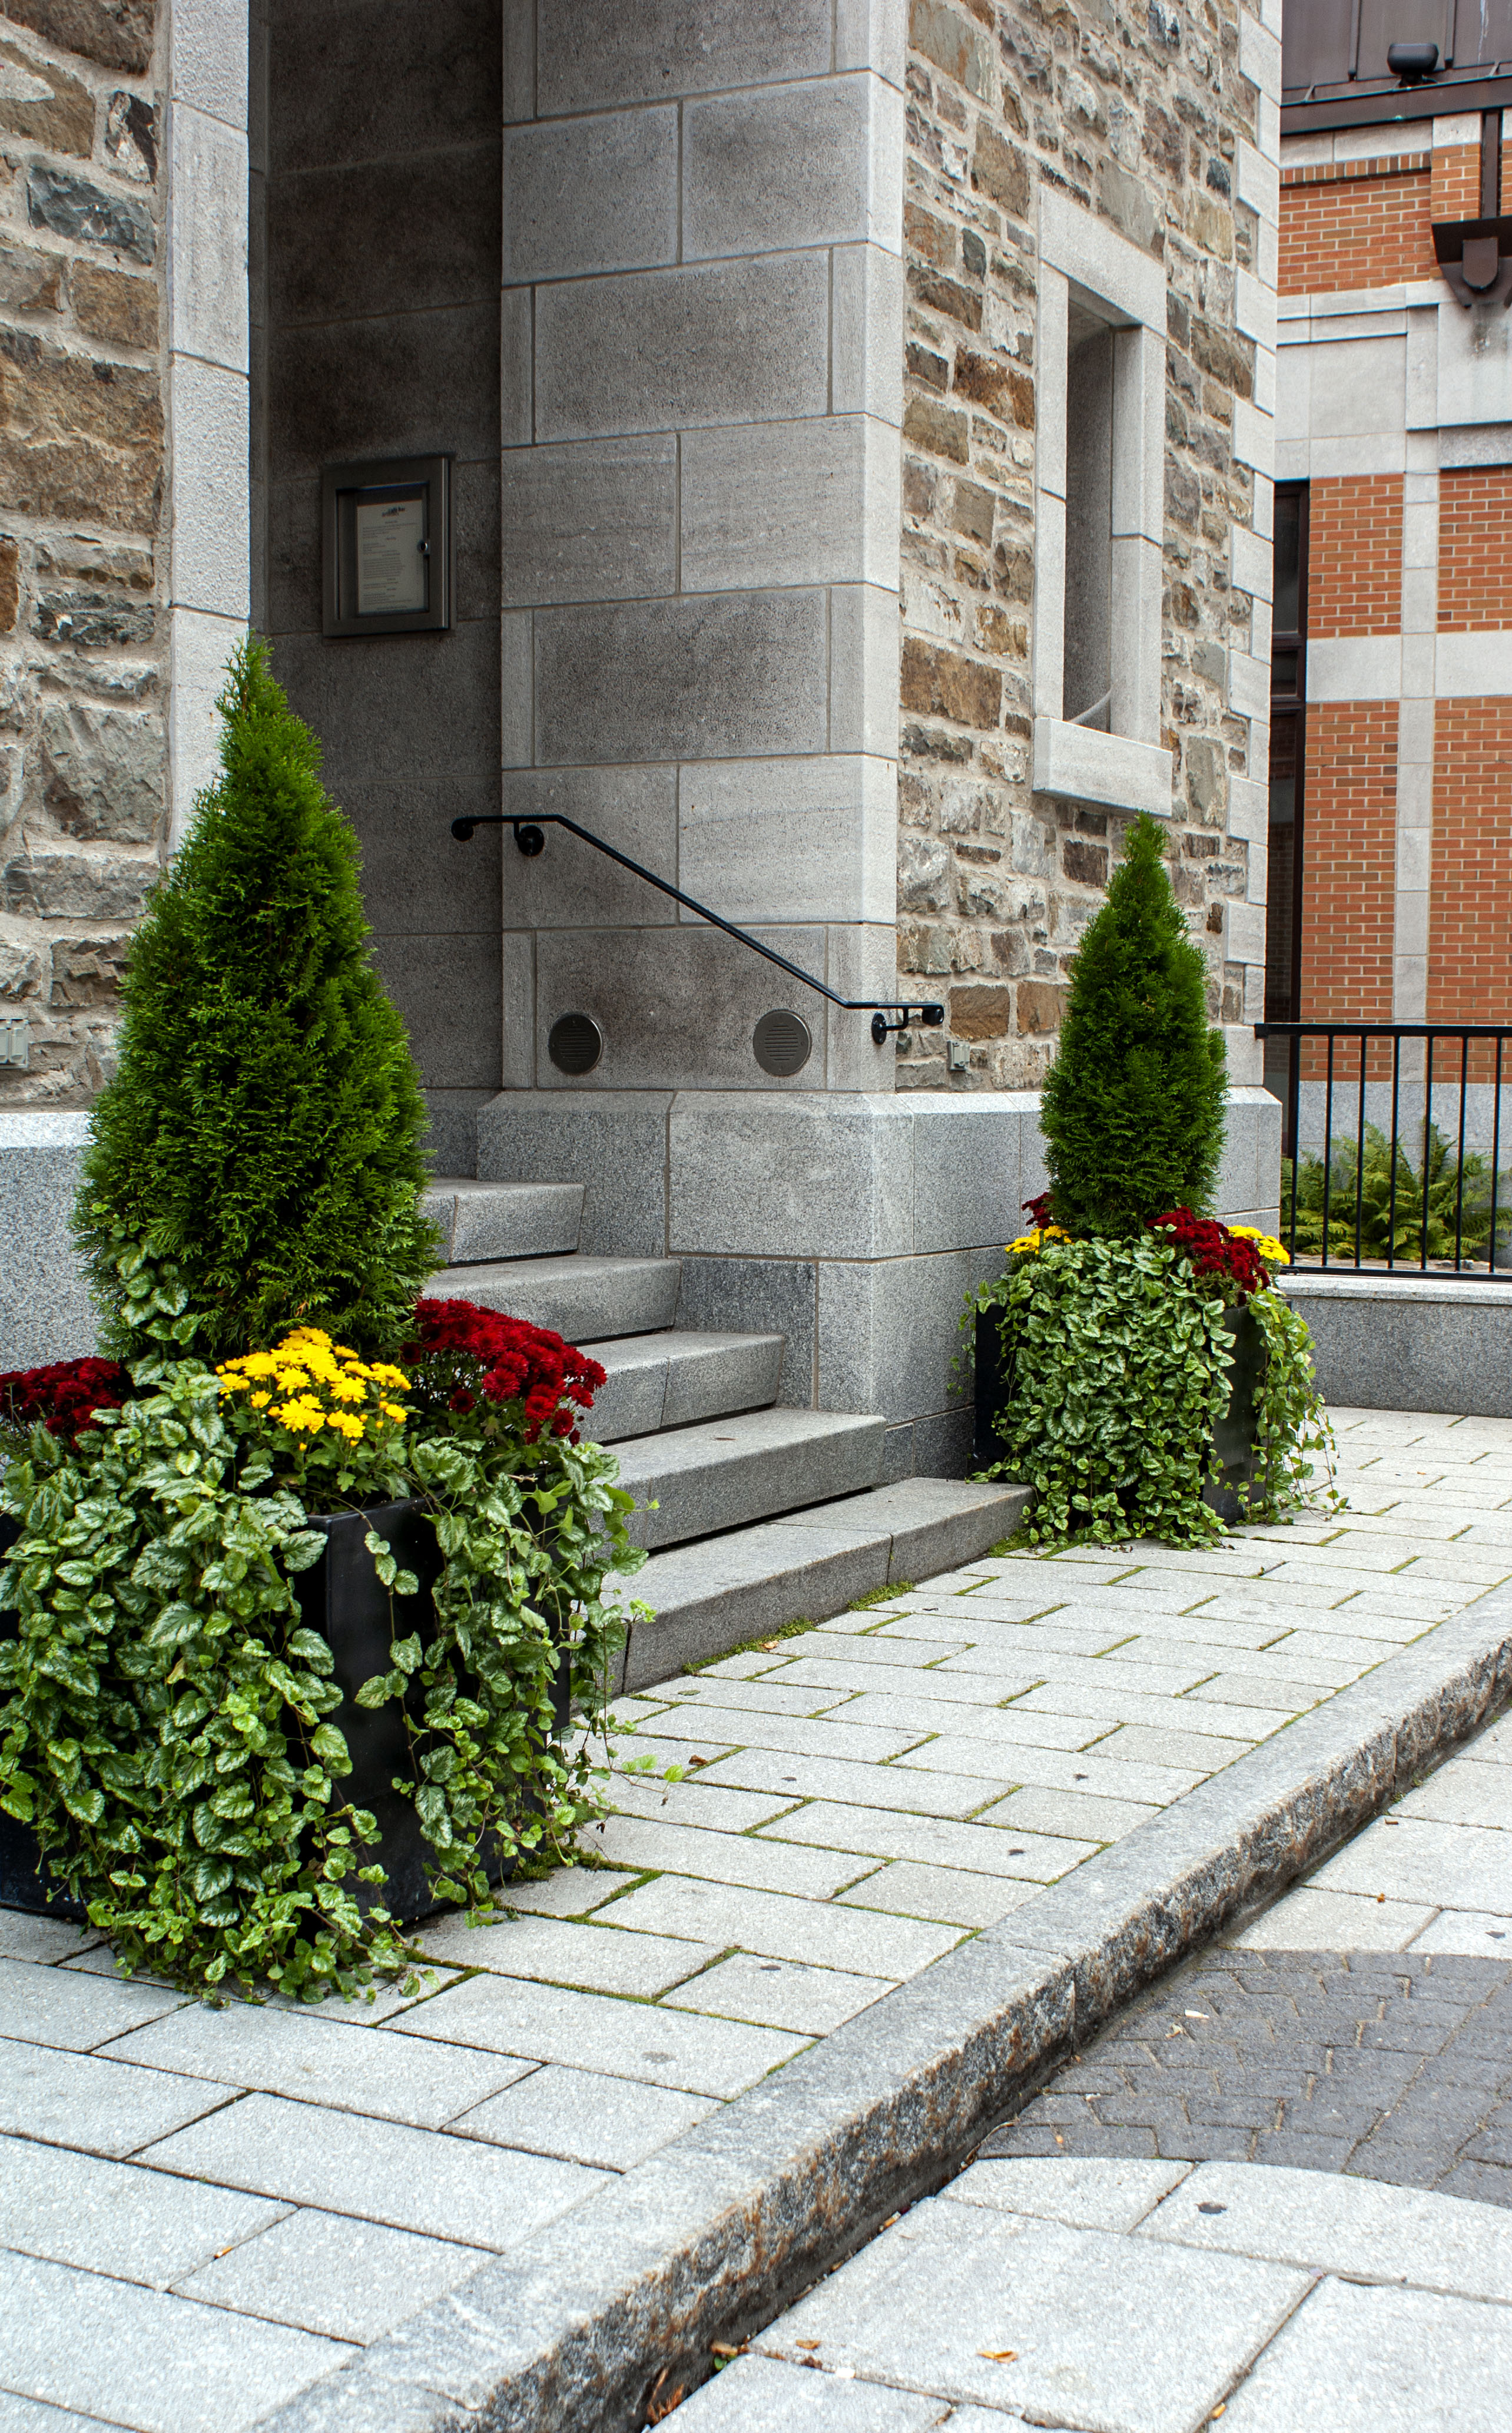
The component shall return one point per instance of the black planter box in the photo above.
(341, 1596)
(1234, 1438)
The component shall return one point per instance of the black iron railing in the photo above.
(1373, 1174)
(530, 837)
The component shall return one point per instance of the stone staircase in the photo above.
(754, 1513)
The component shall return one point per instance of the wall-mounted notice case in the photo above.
(387, 546)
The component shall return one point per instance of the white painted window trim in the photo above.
(1127, 768)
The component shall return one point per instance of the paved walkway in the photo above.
(1226, 2209)
(210, 2209)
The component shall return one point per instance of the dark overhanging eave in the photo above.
(1387, 105)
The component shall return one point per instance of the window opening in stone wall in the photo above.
(1288, 687)
(1087, 666)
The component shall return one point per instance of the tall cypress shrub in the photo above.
(1133, 1106)
(263, 1131)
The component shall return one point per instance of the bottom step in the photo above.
(710, 1598)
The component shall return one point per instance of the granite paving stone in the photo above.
(783, 1929)
(657, 2043)
(600, 1958)
(781, 1994)
(27, 1937)
(160, 2363)
(72, 2010)
(716, 1806)
(326, 2272)
(116, 2217)
(1068, 1816)
(759, 2394)
(570, 1891)
(907, 1888)
(1085, 2195)
(586, 2117)
(940, 1840)
(300, 2057)
(1372, 2360)
(766, 1864)
(66, 2099)
(17, 2415)
(450, 2188)
(1348, 1921)
(719, 1727)
(912, 1790)
(1079, 2319)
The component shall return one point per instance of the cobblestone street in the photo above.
(209, 2209)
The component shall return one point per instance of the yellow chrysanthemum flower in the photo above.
(395, 1410)
(1041, 1234)
(261, 1402)
(1274, 1253)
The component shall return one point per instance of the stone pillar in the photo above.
(703, 373)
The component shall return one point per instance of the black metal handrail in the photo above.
(1415, 1209)
(530, 837)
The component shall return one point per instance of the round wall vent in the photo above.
(575, 1042)
(782, 1042)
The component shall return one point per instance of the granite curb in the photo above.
(713, 2237)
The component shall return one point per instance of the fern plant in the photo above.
(1395, 1228)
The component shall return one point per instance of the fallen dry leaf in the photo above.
(999, 2356)
(725, 2349)
(698, 1761)
(808, 2344)
(663, 2400)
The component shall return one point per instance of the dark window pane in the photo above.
(1284, 673)
(1288, 560)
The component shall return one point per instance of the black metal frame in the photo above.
(530, 837)
(1464, 1032)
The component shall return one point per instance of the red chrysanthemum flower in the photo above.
(461, 1353)
(1211, 1250)
(65, 1396)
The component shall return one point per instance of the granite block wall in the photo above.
(702, 350)
(376, 308)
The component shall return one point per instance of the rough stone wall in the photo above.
(82, 581)
(1135, 112)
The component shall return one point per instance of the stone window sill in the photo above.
(1082, 764)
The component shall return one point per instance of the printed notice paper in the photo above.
(391, 563)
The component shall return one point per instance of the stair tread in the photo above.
(618, 1352)
(710, 1596)
(586, 1299)
(483, 1221)
(736, 1438)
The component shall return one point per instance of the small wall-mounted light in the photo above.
(387, 547)
(1412, 62)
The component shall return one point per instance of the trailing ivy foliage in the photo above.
(1132, 1111)
(1294, 1443)
(262, 1131)
(1118, 1363)
(168, 1722)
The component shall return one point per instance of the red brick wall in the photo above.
(1469, 927)
(1476, 549)
(1340, 227)
(1354, 556)
(1348, 848)
(1456, 189)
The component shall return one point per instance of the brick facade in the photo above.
(82, 591)
(1348, 897)
(1136, 117)
(1346, 230)
(1354, 559)
(1476, 549)
(1469, 948)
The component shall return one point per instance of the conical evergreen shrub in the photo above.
(1133, 1106)
(263, 1131)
